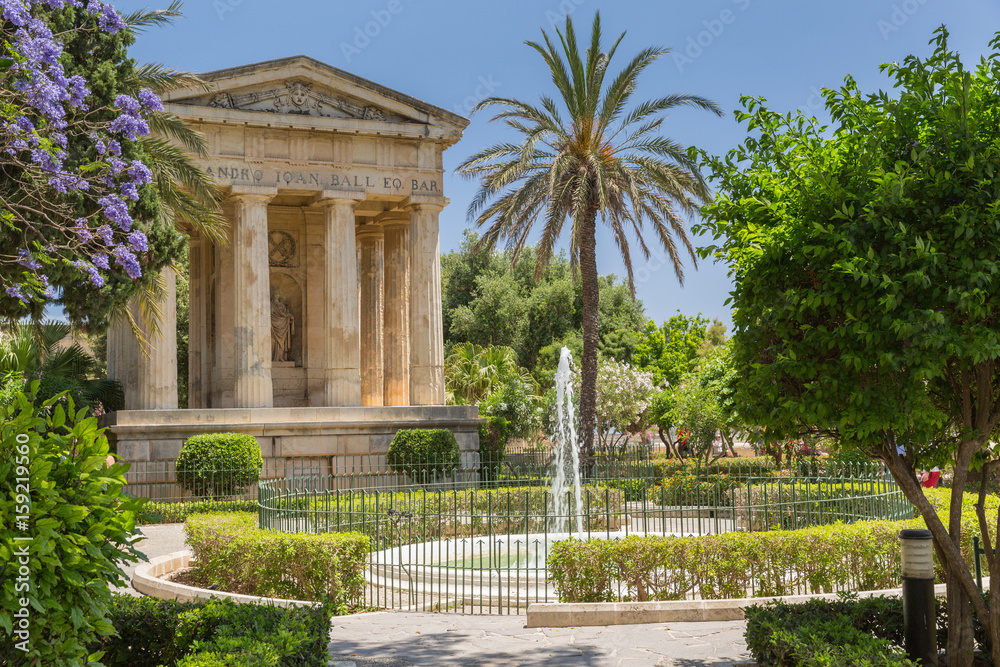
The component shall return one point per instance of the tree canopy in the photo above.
(867, 280)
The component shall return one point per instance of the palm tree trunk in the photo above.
(588, 366)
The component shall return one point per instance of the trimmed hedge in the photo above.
(219, 464)
(738, 467)
(861, 556)
(391, 519)
(152, 633)
(687, 490)
(821, 559)
(423, 454)
(840, 633)
(793, 504)
(153, 513)
(237, 556)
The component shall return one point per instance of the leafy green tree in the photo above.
(605, 159)
(490, 300)
(867, 285)
(672, 349)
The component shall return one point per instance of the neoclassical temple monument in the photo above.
(318, 327)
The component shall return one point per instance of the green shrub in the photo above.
(236, 555)
(144, 632)
(392, 519)
(154, 513)
(797, 504)
(840, 632)
(219, 464)
(494, 433)
(739, 468)
(153, 633)
(861, 556)
(423, 454)
(52, 468)
(688, 490)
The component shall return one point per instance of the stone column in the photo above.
(147, 371)
(396, 323)
(123, 361)
(342, 339)
(370, 278)
(251, 286)
(426, 323)
(197, 340)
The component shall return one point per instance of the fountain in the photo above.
(566, 468)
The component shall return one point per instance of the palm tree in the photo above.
(604, 159)
(473, 371)
(188, 196)
(31, 351)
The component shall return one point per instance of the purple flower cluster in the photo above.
(125, 259)
(34, 125)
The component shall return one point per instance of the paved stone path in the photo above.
(405, 639)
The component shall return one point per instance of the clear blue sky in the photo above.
(450, 52)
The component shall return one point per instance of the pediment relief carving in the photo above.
(298, 98)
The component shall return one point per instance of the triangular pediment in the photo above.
(302, 86)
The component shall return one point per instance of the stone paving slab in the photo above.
(407, 639)
(402, 639)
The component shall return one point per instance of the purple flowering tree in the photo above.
(69, 208)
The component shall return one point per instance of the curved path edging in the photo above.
(148, 581)
(577, 614)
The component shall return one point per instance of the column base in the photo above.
(427, 385)
(343, 387)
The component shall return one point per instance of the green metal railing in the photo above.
(478, 542)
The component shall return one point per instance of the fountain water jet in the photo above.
(567, 463)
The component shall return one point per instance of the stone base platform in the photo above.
(157, 435)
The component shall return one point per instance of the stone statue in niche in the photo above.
(282, 329)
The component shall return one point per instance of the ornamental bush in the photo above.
(237, 556)
(423, 454)
(66, 526)
(219, 464)
(845, 632)
(687, 490)
(220, 632)
(493, 435)
(823, 559)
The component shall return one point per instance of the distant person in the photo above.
(930, 479)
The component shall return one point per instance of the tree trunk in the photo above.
(958, 576)
(588, 366)
(960, 633)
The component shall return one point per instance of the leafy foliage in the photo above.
(32, 350)
(838, 633)
(219, 464)
(235, 554)
(423, 454)
(153, 633)
(80, 523)
(866, 279)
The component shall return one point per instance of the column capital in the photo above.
(238, 192)
(369, 232)
(328, 198)
(425, 203)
